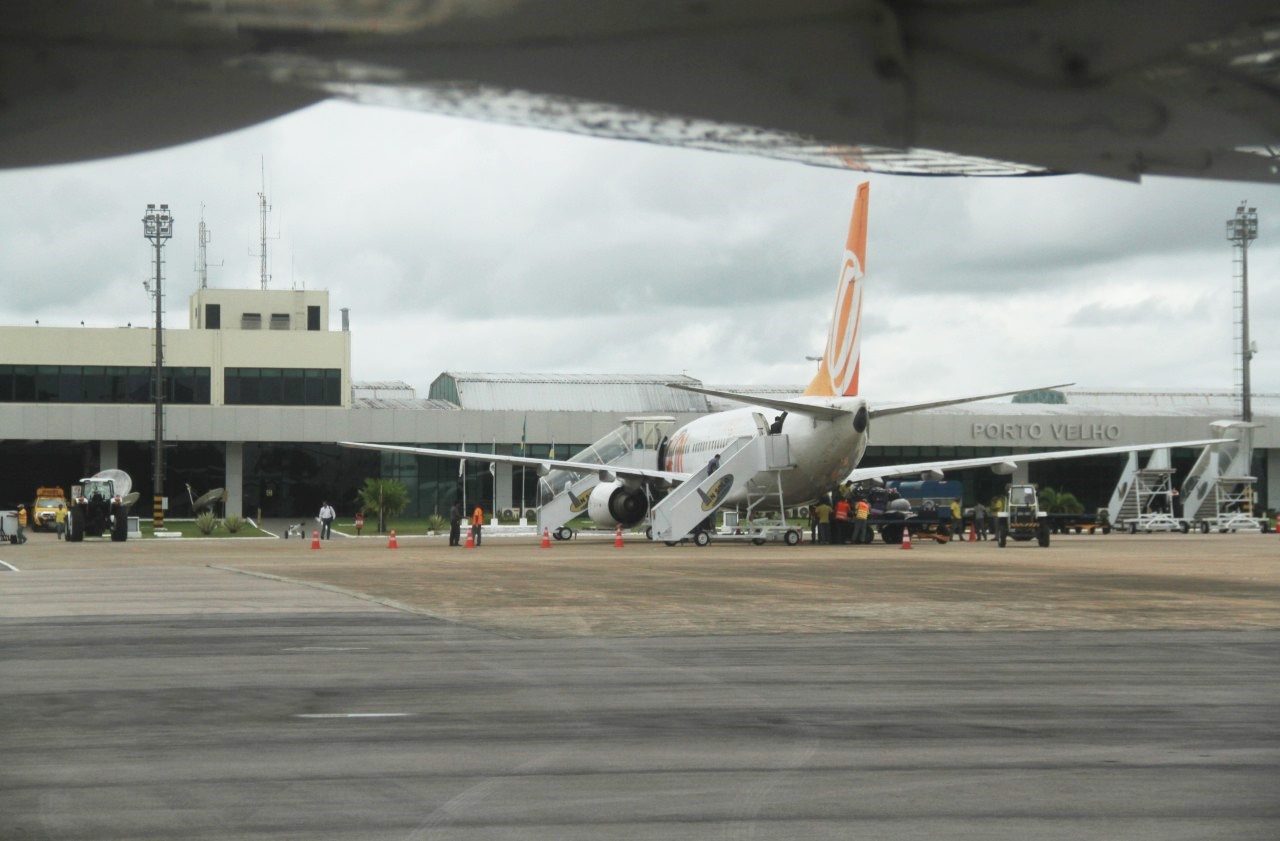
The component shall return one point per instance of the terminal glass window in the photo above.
(283, 386)
(100, 384)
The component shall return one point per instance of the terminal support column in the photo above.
(108, 454)
(234, 479)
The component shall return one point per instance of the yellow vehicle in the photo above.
(44, 511)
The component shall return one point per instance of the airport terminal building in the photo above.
(258, 392)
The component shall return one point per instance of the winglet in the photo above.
(841, 361)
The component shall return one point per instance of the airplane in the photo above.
(827, 429)
(1115, 88)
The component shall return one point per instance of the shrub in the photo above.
(437, 523)
(206, 522)
(233, 523)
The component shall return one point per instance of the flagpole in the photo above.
(524, 430)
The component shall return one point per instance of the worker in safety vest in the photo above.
(477, 523)
(842, 529)
(861, 512)
(22, 524)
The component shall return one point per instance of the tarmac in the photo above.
(1103, 687)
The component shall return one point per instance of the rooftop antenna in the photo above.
(203, 238)
(263, 210)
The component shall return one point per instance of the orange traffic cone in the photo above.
(315, 539)
(546, 539)
(391, 544)
(471, 541)
(617, 539)
(973, 533)
(906, 537)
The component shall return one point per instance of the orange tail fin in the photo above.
(841, 362)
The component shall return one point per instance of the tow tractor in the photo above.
(1022, 518)
(100, 505)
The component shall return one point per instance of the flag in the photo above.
(524, 431)
(462, 467)
(552, 454)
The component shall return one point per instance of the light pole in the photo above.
(157, 226)
(1242, 229)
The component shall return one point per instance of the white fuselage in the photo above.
(822, 451)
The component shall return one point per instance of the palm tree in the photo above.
(384, 497)
(1059, 502)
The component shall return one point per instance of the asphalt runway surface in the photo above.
(258, 690)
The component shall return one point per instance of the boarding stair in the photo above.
(565, 494)
(1143, 498)
(1218, 493)
(744, 463)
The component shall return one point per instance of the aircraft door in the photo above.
(662, 453)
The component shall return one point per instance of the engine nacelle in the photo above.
(1004, 468)
(613, 504)
(932, 476)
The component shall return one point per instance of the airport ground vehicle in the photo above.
(44, 511)
(100, 505)
(1022, 518)
(1060, 523)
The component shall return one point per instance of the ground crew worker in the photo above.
(842, 521)
(477, 523)
(823, 512)
(60, 520)
(861, 512)
(456, 516)
(22, 523)
(957, 519)
(359, 522)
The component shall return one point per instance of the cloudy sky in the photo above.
(473, 247)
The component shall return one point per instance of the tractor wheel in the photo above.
(1043, 534)
(1002, 534)
(75, 524)
(120, 529)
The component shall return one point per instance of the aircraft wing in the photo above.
(890, 471)
(549, 463)
(1119, 89)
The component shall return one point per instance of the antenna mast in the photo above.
(203, 238)
(263, 210)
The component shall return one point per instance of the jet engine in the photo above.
(614, 504)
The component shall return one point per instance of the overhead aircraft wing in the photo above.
(890, 471)
(550, 463)
(1120, 89)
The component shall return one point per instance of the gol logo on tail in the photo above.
(577, 504)
(712, 496)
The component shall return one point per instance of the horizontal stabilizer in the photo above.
(934, 404)
(813, 410)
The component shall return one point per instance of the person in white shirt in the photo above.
(327, 516)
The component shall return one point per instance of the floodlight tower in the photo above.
(157, 226)
(1242, 229)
